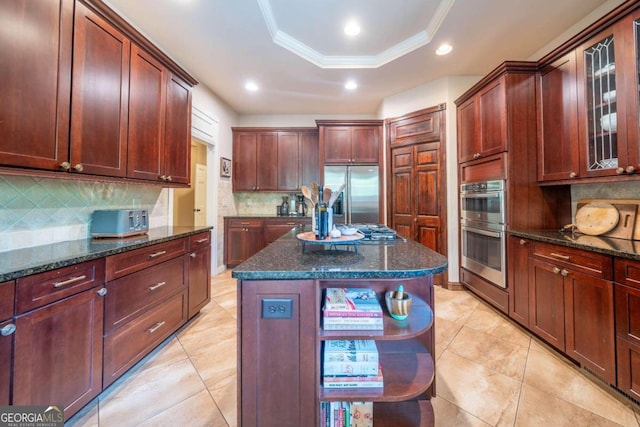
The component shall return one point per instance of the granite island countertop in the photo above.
(284, 260)
(24, 262)
(623, 248)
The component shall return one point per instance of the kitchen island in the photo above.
(280, 291)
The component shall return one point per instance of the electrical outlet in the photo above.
(277, 308)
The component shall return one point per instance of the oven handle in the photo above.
(481, 195)
(496, 234)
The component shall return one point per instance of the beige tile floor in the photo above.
(489, 373)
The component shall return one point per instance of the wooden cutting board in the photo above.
(627, 226)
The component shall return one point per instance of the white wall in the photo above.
(292, 120)
(218, 189)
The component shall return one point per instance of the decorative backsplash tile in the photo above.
(36, 211)
(607, 190)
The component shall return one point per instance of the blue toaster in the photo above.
(119, 222)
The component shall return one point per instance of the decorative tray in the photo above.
(310, 237)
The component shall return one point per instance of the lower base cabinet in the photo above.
(627, 296)
(280, 359)
(199, 272)
(58, 353)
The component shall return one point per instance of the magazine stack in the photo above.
(351, 308)
(346, 414)
(351, 364)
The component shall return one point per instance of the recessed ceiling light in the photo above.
(352, 28)
(444, 49)
(351, 85)
(251, 86)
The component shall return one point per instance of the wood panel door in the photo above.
(6, 350)
(365, 144)
(558, 144)
(428, 196)
(518, 279)
(244, 161)
(287, 166)
(546, 302)
(58, 353)
(402, 196)
(100, 96)
(589, 320)
(492, 109)
(337, 144)
(309, 166)
(468, 132)
(176, 152)
(199, 273)
(35, 76)
(147, 97)
(267, 161)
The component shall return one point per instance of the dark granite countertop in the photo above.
(37, 259)
(284, 260)
(605, 245)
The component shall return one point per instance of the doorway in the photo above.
(190, 204)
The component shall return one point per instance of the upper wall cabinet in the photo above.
(130, 104)
(100, 96)
(270, 159)
(352, 142)
(588, 108)
(481, 122)
(36, 82)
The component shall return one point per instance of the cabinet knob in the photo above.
(65, 166)
(523, 242)
(572, 175)
(8, 330)
(79, 167)
(169, 178)
(564, 272)
(163, 178)
(556, 270)
(630, 169)
(102, 292)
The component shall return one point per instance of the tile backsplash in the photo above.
(37, 211)
(607, 190)
(258, 203)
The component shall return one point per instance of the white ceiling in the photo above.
(296, 52)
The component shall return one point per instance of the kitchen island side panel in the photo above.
(277, 380)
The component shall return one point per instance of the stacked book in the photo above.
(351, 308)
(346, 414)
(351, 364)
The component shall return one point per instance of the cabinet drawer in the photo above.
(245, 222)
(127, 345)
(627, 272)
(128, 296)
(7, 299)
(132, 261)
(583, 261)
(199, 240)
(44, 288)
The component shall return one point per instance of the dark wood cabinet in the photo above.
(58, 353)
(88, 94)
(350, 142)
(481, 122)
(7, 329)
(199, 272)
(176, 154)
(147, 95)
(518, 279)
(243, 238)
(572, 306)
(272, 159)
(100, 96)
(36, 83)
(558, 144)
(627, 299)
(274, 228)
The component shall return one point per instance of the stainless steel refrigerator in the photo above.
(359, 202)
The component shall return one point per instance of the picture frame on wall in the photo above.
(225, 167)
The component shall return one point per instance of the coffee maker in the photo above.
(301, 206)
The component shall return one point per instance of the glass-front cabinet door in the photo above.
(608, 101)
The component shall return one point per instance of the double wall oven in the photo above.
(483, 230)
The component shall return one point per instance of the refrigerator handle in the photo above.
(348, 201)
